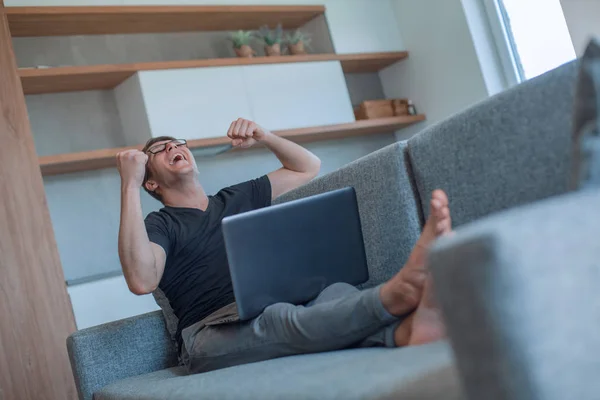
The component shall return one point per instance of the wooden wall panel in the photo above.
(35, 312)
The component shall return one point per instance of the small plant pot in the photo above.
(297, 48)
(274, 50)
(244, 52)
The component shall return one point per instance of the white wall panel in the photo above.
(443, 74)
(359, 26)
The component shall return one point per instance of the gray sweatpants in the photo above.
(340, 317)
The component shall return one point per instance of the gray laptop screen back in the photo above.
(292, 251)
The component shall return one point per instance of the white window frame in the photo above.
(505, 44)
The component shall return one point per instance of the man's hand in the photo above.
(298, 164)
(132, 167)
(245, 133)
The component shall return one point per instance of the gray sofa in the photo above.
(508, 152)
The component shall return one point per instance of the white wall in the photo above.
(442, 74)
(583, 20)
(106, 300)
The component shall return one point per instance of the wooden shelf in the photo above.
(99, 20)
(369, 62)
(99, 159)
(100, 77)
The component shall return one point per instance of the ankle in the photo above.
(398, 301)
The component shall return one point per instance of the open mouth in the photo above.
(177, 158)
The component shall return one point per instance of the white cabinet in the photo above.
(194, 103)
(202, 102)
(291, 96)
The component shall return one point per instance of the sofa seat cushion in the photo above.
(424, 372)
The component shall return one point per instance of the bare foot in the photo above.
(438, 224)
(402, 294)
(427, 324)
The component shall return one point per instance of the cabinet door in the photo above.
(287, 96)
(194, 103)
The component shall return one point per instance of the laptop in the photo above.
(290, 252)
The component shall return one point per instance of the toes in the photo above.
(441, 196)
(435, 206)
(438, 210)
(442, 227)
(439, 205)
(443, 214)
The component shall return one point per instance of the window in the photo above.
(532, 36)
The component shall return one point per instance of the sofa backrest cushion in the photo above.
(389, 209)
(511, 149)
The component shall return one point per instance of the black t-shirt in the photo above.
(196, 278)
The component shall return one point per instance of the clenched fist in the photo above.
(132, 167)
(245, 133)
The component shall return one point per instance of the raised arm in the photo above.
(299, 164)
(143, 262)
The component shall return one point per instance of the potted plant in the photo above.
(241, 43)
(298, 42)
(272, 39)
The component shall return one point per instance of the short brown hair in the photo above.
(147, 176)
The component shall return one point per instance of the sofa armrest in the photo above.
(388, 204)
(107, 353)
(519, 293)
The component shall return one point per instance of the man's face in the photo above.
(170, 161)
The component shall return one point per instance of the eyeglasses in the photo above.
(161, 147)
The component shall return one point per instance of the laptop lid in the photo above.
(290, 252)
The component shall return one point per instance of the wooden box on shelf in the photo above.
(400, 107)
(372, 109)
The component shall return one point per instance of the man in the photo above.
(180, 249)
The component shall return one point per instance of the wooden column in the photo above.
(35, 312)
